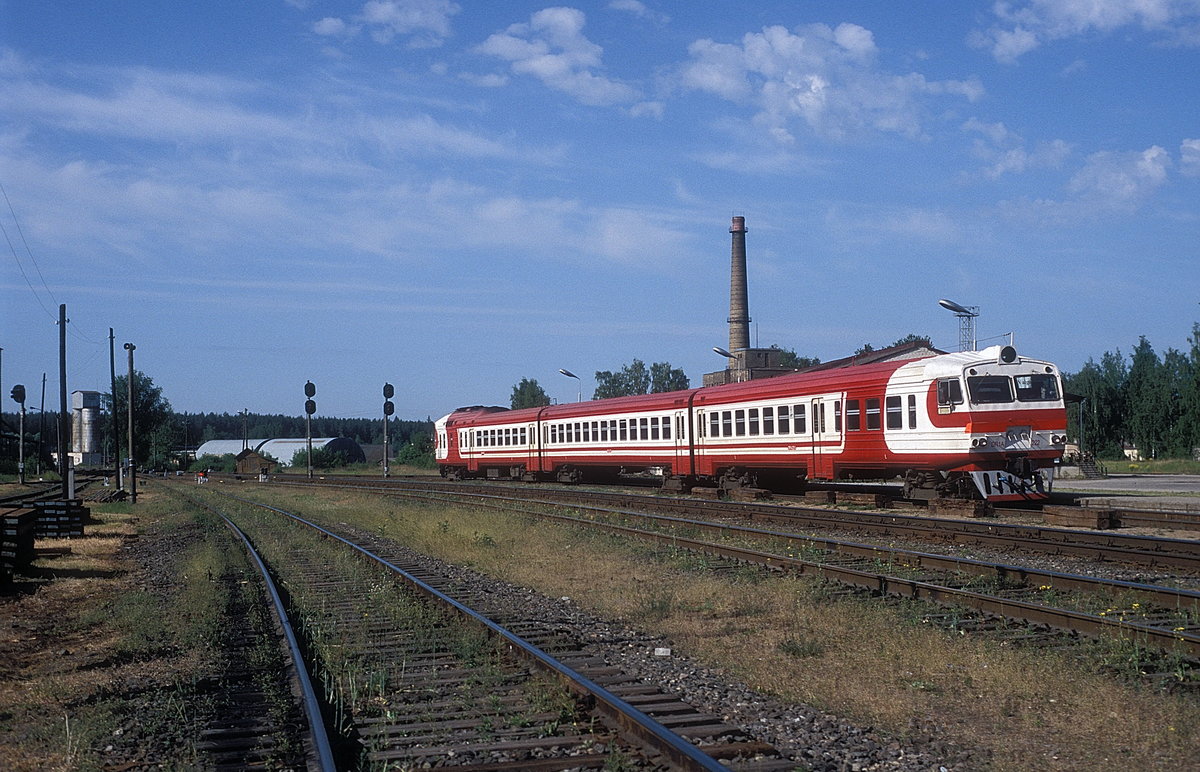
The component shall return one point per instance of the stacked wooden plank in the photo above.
(17, 527)
(61, 518)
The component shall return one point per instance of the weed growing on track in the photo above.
(809, 641)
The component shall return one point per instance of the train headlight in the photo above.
(1058, 439)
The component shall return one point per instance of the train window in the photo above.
(654, 430)
(895, 416)
(819, 418)
(989, 389)
(645, 433)
(853, 416)
(726, 423)
(1037, 387)
(524, 436)
(949, 391)
(666, 422)
(587, 432)
(837, 415)
(752, 421)
(912, 411)
(714, 424)
(873, 413)
(739, 423)
(799, 425)
(768, 420)
(785, 420)
(596, 430)
(604, 431)
(624, 430)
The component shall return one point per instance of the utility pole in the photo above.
(41, 425)
(132, 461)
(64, 460)
(112, 404)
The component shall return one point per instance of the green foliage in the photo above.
(1152, 403)
(788, 358)
(417, 452)
(636, 378)
(322, 458)
(154, 430)
(528, 393)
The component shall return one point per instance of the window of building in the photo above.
(873, 413)
(895, 416)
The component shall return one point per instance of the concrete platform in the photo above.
(1178, 492)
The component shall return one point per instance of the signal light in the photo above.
(310, 389)
(389, 391)
(18, 394)
(310, 406)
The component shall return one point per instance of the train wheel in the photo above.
(734, 478)
(569, 475)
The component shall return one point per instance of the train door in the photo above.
(679, 433)
(824, 433)
(532, 462)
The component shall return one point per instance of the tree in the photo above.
(865, 348)
(528, 393)
(151, 414)
(788, 358)
(418, 452)
(913, 338)
(665, 378)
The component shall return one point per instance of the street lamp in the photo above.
(966, 323)
(737, 362)
(129, 409)
(570, 374)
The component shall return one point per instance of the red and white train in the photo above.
(980, 424)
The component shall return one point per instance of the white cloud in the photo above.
(1189, 157)
(1024, 26)
(427, 20)
(1005, 152)
(825, 77)
(639, 10)
(425, 23)
(1111, 181)
(552, 48)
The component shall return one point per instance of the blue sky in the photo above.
(452, 196)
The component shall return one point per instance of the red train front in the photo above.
(981, 424)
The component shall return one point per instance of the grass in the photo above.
(853, 656)
(1154, 466)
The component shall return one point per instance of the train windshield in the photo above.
(989, 389)
(1038, 387)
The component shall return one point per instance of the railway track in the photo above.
(1163, 617)
(1109, 546)
(408, 694)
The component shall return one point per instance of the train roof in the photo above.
(822, 379)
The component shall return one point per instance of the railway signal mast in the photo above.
(310, 407)
(966, 323)
(389, 391)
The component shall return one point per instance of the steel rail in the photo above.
(629, 719)
(1168, 597)
(322, 749)
(1148, 551)
(1057, 618)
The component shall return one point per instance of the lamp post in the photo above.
(570, 374)
(966, 323)
(739, 372)
(129, 410)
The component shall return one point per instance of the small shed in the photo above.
(252, 462)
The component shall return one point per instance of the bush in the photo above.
(322, 458)
(225, 464)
